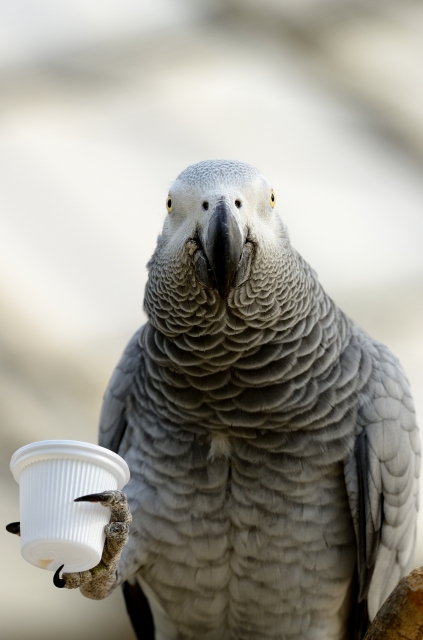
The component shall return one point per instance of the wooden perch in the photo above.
(401, 616)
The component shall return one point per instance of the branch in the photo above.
(401, 616)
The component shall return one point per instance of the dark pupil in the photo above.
(205, 206)
(169, 203)
(238, 203)
(272, 197)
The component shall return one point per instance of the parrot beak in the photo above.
(223, 247)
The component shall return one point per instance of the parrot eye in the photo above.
(272, 199)
(238, 204)
(169, 205)
(205, 205)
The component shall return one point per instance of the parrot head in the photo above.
(222, 236)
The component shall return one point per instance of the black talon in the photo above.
(57, 580)
(14, 527)
(94, 497)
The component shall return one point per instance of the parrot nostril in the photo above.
(205, 205)
(238, 204)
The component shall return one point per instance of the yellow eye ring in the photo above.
(272, 199)
(169, 205)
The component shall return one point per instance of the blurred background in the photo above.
(102, 104)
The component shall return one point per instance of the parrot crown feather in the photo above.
(209, 173)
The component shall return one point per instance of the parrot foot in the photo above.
(99, 581)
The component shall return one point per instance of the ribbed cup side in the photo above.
(48, 489)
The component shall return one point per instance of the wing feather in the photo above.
(113, 420)
(382, 481)
(113, 424)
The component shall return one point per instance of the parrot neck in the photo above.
(239, 366)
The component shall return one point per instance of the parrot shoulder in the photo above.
(112, 417)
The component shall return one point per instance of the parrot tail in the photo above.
(138, 610)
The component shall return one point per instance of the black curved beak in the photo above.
(223, 247)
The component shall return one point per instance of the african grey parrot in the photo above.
(272, 443)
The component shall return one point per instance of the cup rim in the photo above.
(70, 450)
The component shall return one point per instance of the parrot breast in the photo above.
(246, 412)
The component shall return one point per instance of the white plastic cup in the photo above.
(55, 530)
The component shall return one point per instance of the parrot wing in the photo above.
(113, 420)
(113, 423)
(382, 482)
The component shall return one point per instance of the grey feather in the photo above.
(113, 420)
